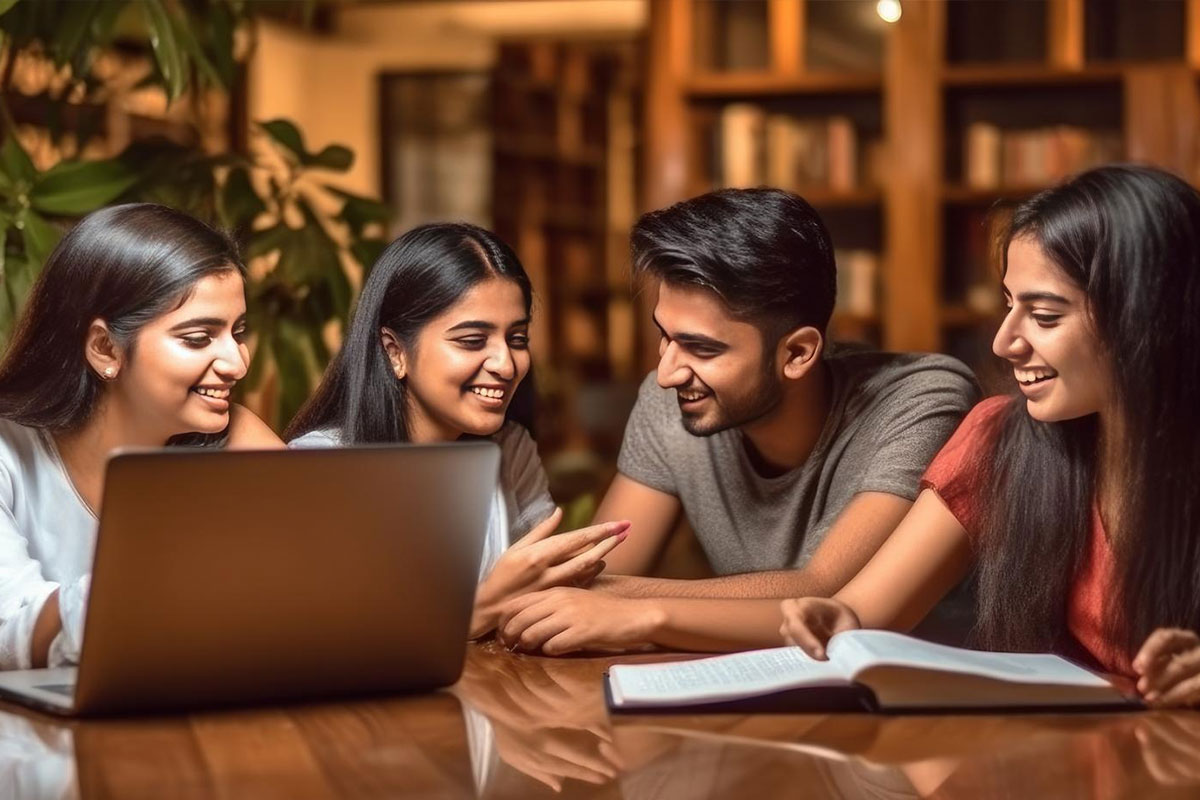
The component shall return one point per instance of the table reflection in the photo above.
(526, 727)
(928, 757)
(37, 759)
(537, 719)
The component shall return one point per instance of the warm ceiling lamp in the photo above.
(888, 10)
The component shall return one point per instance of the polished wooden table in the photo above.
(522, 726)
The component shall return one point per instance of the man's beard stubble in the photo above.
(747, 407)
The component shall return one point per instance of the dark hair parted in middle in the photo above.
(1129, 237)
(765, 252)
(125, 265)
(418, 277)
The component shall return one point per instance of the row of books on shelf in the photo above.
(995, 157)
(755, 147)
(974, 286)
(857, 282)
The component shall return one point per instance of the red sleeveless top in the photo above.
(950, 476)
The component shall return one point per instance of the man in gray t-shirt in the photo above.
(888, 415)
(793, 460)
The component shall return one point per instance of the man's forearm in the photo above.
(777, 584)
(714, 625)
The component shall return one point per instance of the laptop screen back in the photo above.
(234, 577)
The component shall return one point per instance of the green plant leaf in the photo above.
(358, 211)
(39, 236)
(5, 5)
(72, 23)
(173, 175)
(366, 252)
(185, 36)
(341, 293)
(316, 342)
(311, 255)
(239, 202)
(19, 277)
(291, 370)
(167, 51)
(287, 134)
(335, 157)
(74, 188)
(268, 240)
(15, 161)
(224, 24)
(105, 21)
(307, 254)
(20, 24)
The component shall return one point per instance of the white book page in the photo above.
(720, 678)
(860, 650)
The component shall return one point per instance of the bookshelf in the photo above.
(564, 180)
(959, 109)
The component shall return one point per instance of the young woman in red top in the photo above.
(1077, 501)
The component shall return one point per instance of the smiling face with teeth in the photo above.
(1049, 338)
(465, 364)
(178, 375)
(717, 364)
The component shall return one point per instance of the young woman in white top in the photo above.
(133, 335)
(438, 350)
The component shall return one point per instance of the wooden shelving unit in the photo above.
(564, 179)
(1086, 71)
(758, 85)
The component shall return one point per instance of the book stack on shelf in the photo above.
(563, 172)
(754, 147)
(857, 283)
(996, 158)
(910, 138)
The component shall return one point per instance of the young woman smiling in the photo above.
(1076, 501)
(438, 349)
(134, 335)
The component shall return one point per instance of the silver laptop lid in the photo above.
(234, 577)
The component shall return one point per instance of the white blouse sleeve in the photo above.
(522, 476)
(23, 592)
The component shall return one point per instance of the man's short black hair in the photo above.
(764, 252)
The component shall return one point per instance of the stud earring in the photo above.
(110, 373)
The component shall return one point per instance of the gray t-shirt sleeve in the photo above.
(923, 410)
(523, 479)
(644, 449)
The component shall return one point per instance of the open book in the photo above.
(876, 670)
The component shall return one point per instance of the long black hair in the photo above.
(1130, 238)
(416, 278)
(126, 265)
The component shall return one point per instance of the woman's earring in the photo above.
(110, 373)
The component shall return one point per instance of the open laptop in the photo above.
(230, 577)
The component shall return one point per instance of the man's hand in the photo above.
(548, 724)
(539, 561)
(559, 621)
(1168, 668)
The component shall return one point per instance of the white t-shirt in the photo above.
(522, 498)
(47, 539)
